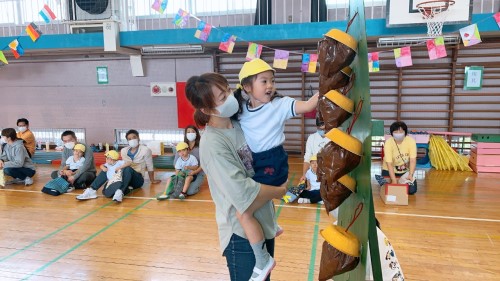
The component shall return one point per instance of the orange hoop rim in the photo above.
(443, 7)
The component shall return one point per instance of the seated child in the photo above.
(73, 163)
(311, 193)
(108, 170)
(186, 163)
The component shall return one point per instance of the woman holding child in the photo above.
(226, 159)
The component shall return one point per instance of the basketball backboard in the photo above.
(400, 13)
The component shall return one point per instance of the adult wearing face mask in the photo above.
(14, 159)
(192, 138)
(140, 156)
(315, 142)
(24, 133)
(400, 155)
(84, 176)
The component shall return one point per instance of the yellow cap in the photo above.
(80, 147)
(343, 38)
(342, 101)
(348, 182)
(346, 141)
(180, 146)
(253, 67)
(313, 158)
(113, 154)
(346, 242)
(347, 70)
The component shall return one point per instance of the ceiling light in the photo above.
(412, 41)
(172, 50)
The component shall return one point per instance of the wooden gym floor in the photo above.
(449, 231)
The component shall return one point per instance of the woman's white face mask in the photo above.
(398, 136)
(228, 108)
(191, 136)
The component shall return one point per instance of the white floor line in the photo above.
(313, 207)
(437, 217)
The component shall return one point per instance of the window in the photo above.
(51, 135)
(334, 4)
(168, 137)
(196, 7)
(26, 11)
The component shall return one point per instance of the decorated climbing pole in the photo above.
(344, 163)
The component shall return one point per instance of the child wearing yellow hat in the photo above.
(186, 163)
(311, 193)
(108, 170)
(262, 117)
(73, 163)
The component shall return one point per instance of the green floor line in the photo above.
(36, 242)
(314, 245)
(282, 202)
(86, 240)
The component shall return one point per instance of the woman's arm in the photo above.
(413, 165)
(302, 107)
(390, 168)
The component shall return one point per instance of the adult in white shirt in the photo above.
(315, 142)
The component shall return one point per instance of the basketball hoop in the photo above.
(433, 12)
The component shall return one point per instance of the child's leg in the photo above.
(187, 182)
(255, 235)
(166, 188)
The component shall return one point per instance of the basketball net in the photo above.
(435, 17)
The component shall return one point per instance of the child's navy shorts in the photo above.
(271, 166)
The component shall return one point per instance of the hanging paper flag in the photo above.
(309, 62)
(305, 62)
(403, 57)
(281, 59)
(47, 14)
(181, 18)
(436, 48)
(497, 18)
(470, 35)
(33, 31)
(373, 62)
(16, 48)
(203, 31)
(160, 6)
(313, 63)
(2, 58)
(254, 51)
(227, 43)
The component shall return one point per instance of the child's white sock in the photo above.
(261, 254)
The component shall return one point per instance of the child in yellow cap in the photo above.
(186, 163)
(262, 117)
(311, 193)
(108, 170)
(73, 163)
